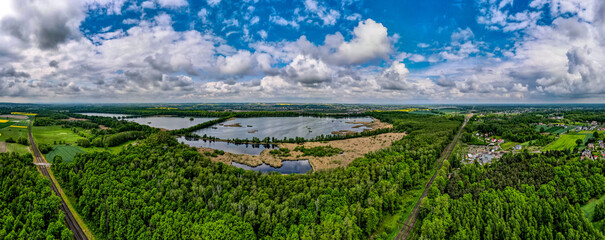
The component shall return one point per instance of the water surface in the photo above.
(250, 149)
(288, 167)
(280, 127)
(169, 123)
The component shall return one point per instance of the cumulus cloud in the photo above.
(237, 64)
(307, 71)
(370, 41)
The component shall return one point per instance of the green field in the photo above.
(567, 141)
(51, 134)
(588, 209)
(15, 133)
(18, 148)
(66, 152)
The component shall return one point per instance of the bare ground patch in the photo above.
(352, 148)
(21, 117)
(2, 147)
(75, 119)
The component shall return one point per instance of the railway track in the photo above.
(44, 166)
(405, 231)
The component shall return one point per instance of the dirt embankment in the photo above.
(352, 148)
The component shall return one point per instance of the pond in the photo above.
(115, 115)
(280, 127)
(250, 149)
(169, 123)
(288, 167)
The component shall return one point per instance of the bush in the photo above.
(10, 140)
(98, 142)
(83, 143)
(45, 148)
(23, 141)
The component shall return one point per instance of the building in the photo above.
(518, 147)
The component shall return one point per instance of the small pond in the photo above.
(115, 115)
(280, 127)
(250, 149)
(169, 123)
(288, 167)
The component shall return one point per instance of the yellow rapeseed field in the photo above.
(3, 120)
(15, 126)
(24, 113)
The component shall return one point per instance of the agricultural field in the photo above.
(14, 133)
(567, 141)
(66, 152)
(52, 135)
(554, 130)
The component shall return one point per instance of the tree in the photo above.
(23, 141)
(579, 142)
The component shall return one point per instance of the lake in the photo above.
(280, 127)
(105, 115)
(250, 149)
(288, 167)
(169, 123)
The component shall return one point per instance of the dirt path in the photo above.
(352, 148)
(2, 147)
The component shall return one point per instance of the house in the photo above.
(590, 146)
(586, 154)
(518, 147)
(593, 123)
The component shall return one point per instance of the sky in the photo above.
(347, 51)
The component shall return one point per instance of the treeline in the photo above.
(319, 138)
(163, 189)
(187, 131)
(522, 196)
(28, 207)
(319, 151)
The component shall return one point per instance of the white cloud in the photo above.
(328, 16)
(148, 4)
(370, 41)
(213, 3)
(172, 3)
(238, 64)
(307, 71)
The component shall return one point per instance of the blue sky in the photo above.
(434, 51)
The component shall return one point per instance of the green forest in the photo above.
(164, 190)
(521, 196)
(29, 209)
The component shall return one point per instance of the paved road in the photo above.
(409, 223)
(44, 167)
